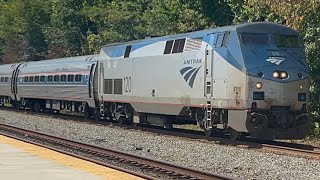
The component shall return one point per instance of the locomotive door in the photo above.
(209, 66)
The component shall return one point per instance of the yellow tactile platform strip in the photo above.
(72, 162)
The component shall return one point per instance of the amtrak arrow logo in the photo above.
(189, 74)
(276, 60)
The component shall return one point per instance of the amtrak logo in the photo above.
(276, 60)
(189, 74)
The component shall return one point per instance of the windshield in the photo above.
(288, 41)
(254, 39)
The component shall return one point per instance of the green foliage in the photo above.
(310, 28)
(218, 12)
(66, 32)
(252, 11)
(57, 28)
(21, 30)
(122, 20)
(171, 16)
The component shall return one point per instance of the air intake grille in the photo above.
(193, 44)
(108, 83)
(117, 86)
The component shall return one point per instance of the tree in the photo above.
(21, 32)
(171, 17)
(122, 20)
(66, 32)
(218, 12)
(310, 28)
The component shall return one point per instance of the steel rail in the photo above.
(276, 147)
(144, 162)
(311, 154)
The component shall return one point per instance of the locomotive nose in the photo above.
(271, 92)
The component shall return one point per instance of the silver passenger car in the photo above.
(7, 82)
(57, 84)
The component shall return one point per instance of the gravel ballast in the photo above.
(225, 160)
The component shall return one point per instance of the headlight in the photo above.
(259, 85)
(284, 75)
(280, 74)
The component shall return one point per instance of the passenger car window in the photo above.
(70, 77)
(50, 78)
(254, 39)
(41, 78)
(56, 78)
(78, 78)
(63, 78)
(2, 79)
(36, 79)
(6, 79)
(31, 79)
(26, 79)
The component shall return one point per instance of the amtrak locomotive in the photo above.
(249, 79)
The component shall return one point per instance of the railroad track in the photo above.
(311, 153)
(276, 147)
(161, 169)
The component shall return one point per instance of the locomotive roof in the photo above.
(254, 27)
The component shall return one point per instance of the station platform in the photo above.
(23, 161)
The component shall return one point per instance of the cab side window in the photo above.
(175, 46)
(220, 40)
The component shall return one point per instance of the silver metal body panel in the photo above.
(279, 94)
(157, 85)
(74, 91)
(172, 91)
(6, 70)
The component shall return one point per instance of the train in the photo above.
(249, 79)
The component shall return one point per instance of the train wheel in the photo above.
(210, 132)
(14, 105)
(97, 115)
(36, 107)
(128, 111)
(87, 112)
(234, 135)
(117, 116)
